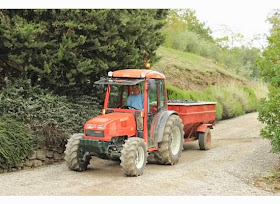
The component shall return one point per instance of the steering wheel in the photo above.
(128, 107)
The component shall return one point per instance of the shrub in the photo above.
(208, 96)
(16, 141)
(242, 96)
(260, 89)
(252, 99)
(231, 106)
(52, 118)
(174, 93)
(269, 114)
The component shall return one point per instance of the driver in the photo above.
(136, 99)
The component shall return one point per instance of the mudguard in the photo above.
(203, 127)
(158, 124)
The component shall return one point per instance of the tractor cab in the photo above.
(151, 99)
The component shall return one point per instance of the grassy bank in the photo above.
(193, 77)
(192, 72)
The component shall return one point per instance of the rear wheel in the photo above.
(133, 156)
(204, 140)
(74, 155)
(169, 150)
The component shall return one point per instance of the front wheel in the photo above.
(133, 156)
(73, 154)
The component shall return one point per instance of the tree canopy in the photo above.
(70, 49)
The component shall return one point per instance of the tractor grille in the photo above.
(95, 133)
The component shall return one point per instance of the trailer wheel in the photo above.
(73, 154)
(169, 150)
(204, 140)
(134, 156)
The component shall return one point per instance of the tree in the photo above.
(67, 50)
(230, 38)
(194, 25)
(269, 110)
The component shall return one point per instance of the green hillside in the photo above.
(193, 77)
(193, 72)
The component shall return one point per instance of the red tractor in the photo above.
(131, 133)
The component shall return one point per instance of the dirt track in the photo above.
(238, 155)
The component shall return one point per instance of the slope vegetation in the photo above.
(192, 72)
(193, 77)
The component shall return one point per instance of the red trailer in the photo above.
(197, 119)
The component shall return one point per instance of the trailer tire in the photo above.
(171, 146)
(73, 154)
(134, 156)
(204, 140)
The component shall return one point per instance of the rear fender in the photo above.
(158, 124)
(203, 127)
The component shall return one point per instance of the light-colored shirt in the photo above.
(136, 101)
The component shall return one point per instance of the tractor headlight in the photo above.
(100, 126)
(90, 126)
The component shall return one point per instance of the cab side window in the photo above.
(155, 95)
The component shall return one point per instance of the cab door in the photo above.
(156, 103)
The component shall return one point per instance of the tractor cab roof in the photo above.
(130, 77)
(119, 81)
(138, 73)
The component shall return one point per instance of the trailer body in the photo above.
(196, 116)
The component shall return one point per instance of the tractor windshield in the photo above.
(126, 96)
(125, 93)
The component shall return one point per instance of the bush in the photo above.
(208, 96)
(231, 106)
(16, 141)
(245, 95)
(174, 93)
(252, 99)
(269, 114)
(52, 118)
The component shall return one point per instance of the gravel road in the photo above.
(238, 155)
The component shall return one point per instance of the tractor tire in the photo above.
(134, 156)
(73, 154)
(171, 146)
(204, 140)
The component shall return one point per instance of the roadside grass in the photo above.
(270, 182)
(261, 89)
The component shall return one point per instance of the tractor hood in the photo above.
(104, 127)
